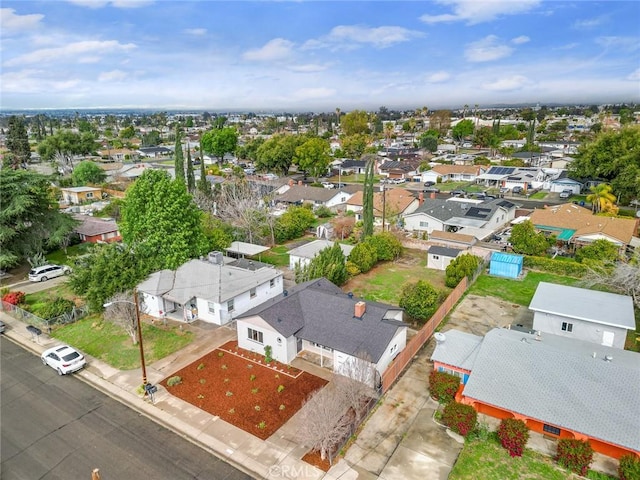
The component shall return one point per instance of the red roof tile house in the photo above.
(561, 387)
(97, 230)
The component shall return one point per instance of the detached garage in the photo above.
(506, 265)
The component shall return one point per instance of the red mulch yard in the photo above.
(243, 391)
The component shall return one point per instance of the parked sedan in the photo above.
(64, 359)
(566, 193)
(45, 272)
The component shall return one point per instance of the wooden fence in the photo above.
(403, 359)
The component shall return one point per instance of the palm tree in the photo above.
(601, 198)
(464, 111)
(337, 117)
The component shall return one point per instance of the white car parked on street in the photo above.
(45, 272)
(64, 359)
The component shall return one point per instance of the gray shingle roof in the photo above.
(320, 312)
(445, 210)
(301, 193)
(91, 226)
(444, 251)
(202, 279)
(589, 305)
(557, 380)
(459, 349)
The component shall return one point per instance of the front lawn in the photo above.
(61, 258)
(109, 343)
(489, 461)
(516, 291)
(240, 388)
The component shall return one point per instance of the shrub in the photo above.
(513, 435)
(257, 408)
(173, 381)
(223, 366)
(352, 269)
(232, 411)
(229, 393)
(462, 266)
(364, 256)
(267, 354)
(200, 366)
(420, 300)
(387, 246)
(221, 354)
(282, 407)
(574, 455)
(252, 377)
(255, 390)
(560, 267)
(443, 386)
(202, 381)
(13, 298)
(629, 468)
(54, 308)
(280, 388)
(460, 418)
(262, 425)
(323, 212)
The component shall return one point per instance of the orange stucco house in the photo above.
(561, 387)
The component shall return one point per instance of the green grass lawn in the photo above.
(276, 256)
(516, 291)
(60, 257)
(109, 343)
(539, 195)
(487, 460)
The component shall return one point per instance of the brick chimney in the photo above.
(360, 308)
(420, 198)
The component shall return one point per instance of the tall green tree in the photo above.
(191, 176)
(613, 157)
(313, 156)
(277, 153)
(179, 157)
(355, 122)
(161, 221)
(463, 129)
(17, 143)
(30, 220)
(328, 263)
(354, 146)
(64, 144)
(204, 186)
(88, 172)
(420, 300)
(220, 141)
(367, 199)
(462, 266)
(106, 270)
(525, 239)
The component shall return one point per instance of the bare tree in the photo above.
(624, 278)
(324, 421)
(121, 310)
(356, 382)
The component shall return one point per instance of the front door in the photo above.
(299, 345)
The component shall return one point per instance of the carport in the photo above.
(242, 249)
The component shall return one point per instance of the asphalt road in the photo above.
(61, 428)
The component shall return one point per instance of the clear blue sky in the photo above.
(316, 55)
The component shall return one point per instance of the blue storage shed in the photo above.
(506, 265)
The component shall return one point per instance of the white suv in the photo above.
(44, 273)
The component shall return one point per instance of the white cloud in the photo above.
(12, 23)
(198, 32)
(487, 50)
(314, 93)
(635, 75)
(474, 12)
(515, 82)
(520, 40)
(276, 49)
(94, 4)
(73, 50)
(308, 68)
(34, 81)
(438, 77)
(379, 37)
(626, 43)
(589, 23)
(568, 46)
(112, 76)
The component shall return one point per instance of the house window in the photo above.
(212, 307)
(254, 335)
(394, 348)
(317, 345)
(424, 224)
(252, 293)
(567, 327)
(230, 306)
(89, 195)
(552, 430)
(436, 257)
(452, 372)
(272, 283)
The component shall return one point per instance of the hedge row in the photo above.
(460, 418)
(443, 386)
(559, 267)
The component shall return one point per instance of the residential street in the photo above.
(61, 428)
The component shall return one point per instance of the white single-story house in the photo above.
(303, 254)
(598, 317)
(467, 217)
(214, 289)
(317, 196)
(453, 173)
(76, 195)
(439, 257)
(318, 317)
(565, 183)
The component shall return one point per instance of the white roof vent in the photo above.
(440, 337)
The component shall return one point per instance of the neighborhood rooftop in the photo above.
(590, 305)
(320, 312)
